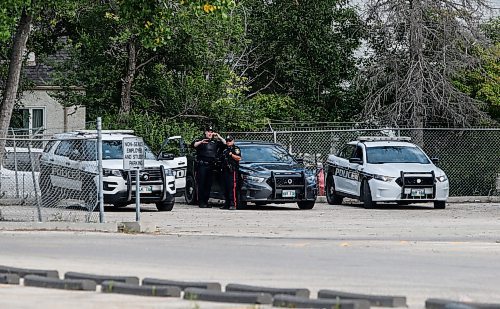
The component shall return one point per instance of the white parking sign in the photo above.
(133, 153)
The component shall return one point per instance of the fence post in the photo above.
(99, 168)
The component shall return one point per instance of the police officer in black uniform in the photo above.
(207, 150)
(231, 157)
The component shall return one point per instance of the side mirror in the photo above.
(435, 160)
(166, 156)
(356, 160)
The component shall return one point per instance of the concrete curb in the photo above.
(100, 278)
(232, 287)
(63, 284)
(451, 199)
(375, 300)
(288, 301)
(59, 226)
(437, 303)
(136, 227)
(212, 286)
(228, 297)
(22, 272)
(142, 290)
(9, 279)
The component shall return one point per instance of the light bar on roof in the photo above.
(384, 138)
(106, 131)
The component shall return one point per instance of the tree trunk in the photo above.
(12, 83)
(126, 101)
(416, 59)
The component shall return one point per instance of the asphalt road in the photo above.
(414, 251)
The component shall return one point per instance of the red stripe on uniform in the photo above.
(234, 188)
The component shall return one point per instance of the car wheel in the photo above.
(331, 197)
(165, 206)
(367, 196)
(439, 205)
(190, 195)
(306, 204)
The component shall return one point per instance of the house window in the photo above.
(29, 120)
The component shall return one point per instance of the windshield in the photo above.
(112, 150)
(265, 154)
(395, 154)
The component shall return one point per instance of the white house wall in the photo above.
(57, 118)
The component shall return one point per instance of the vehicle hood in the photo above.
(265, 169)
(394, 169)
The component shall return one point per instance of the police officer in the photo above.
(207, 150)
(231, 157)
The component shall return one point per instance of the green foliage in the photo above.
(484, 84)
(304, 50)
(153, 128)
(10, 11)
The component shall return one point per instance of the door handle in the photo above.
(181, 163)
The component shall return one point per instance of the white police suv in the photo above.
(384, 169)
(68, 171)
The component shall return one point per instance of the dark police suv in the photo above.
(268, 175)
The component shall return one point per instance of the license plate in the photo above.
(417, 192)
(288, 193)
(146, 189)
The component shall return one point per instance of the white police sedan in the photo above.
(384, 169)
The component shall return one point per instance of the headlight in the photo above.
(441, 178)
(253, 178)
(110, 172)
(383, 178)
(169, 172)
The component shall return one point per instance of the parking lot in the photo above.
(414, 251)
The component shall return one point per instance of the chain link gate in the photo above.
(469, 157)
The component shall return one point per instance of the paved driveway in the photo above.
(413, 251)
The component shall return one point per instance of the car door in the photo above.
(341, 167)
(173, 155)
(66, 166)
(355, 169)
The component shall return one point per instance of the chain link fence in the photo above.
(36, 186)
(62, 186)
(470, 157)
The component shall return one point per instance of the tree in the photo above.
(301, 49)
(416, 47)
(484, 84)
(21, 19)
(153, 59)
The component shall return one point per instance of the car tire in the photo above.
(439, 204)
(306, 204)
(190, 194)
(165, 206)
(367, 196)
(331, 197)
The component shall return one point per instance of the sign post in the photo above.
(133, 160)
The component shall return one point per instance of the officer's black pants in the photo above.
(204, 181)
(231, 188)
